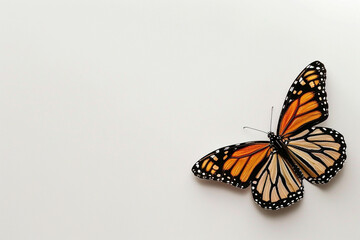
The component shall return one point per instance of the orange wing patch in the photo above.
(248, 150)
(300, 112)
(243, 161)
(312, 77)
(253, 161)
(309, 72)
(233, 164)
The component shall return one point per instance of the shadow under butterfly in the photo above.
(298, 150)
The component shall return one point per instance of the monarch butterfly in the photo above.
(276, 168)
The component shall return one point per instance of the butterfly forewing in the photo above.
(305, 104)
(319, 152)
(235, 164)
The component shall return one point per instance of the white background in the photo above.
(106, 105)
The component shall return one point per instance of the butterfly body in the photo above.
(298, 150)
(277, 143)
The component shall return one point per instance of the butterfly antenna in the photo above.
(271, 116)
(255, 129)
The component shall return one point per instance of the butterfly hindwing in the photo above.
(319, 152)
(277, 185)
(235, 164)
(305, 104)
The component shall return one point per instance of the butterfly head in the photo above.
(272, 137)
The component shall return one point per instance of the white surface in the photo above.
(106, 105)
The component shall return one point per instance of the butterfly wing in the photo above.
(319, 152)
(305, 104)
(277, 184)
(235, 164)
